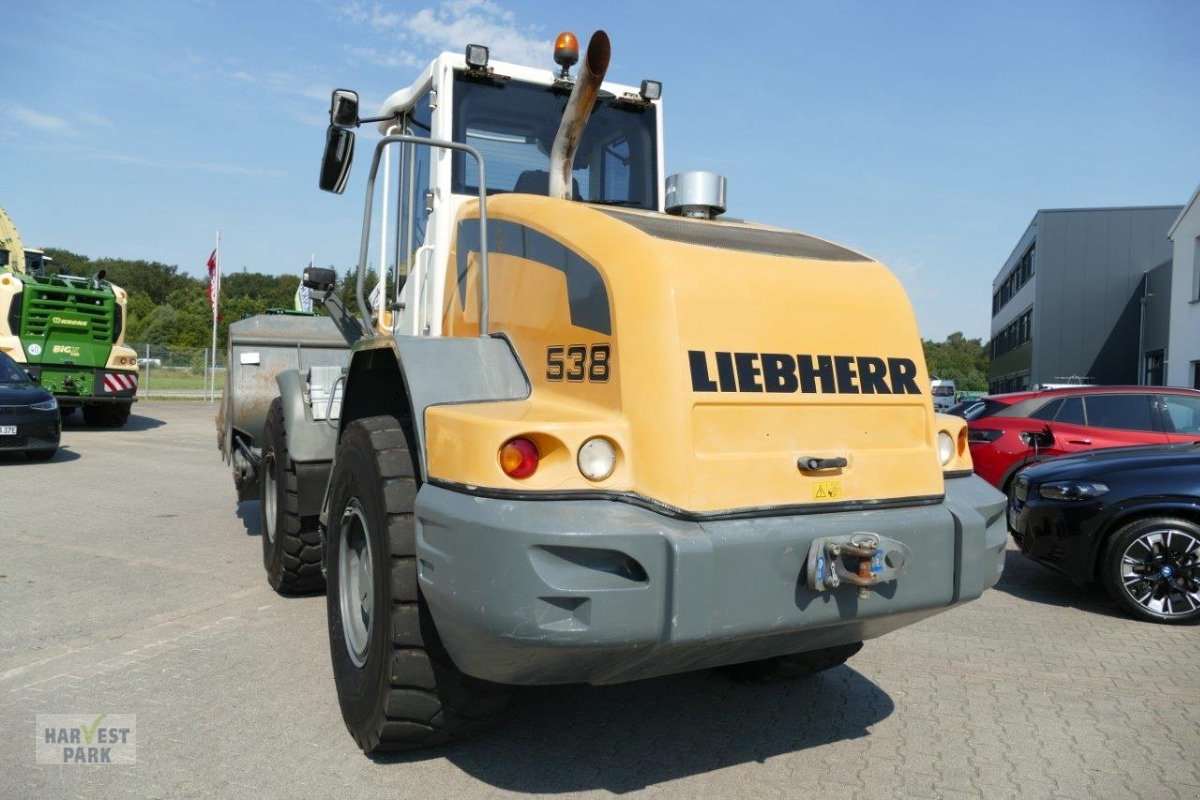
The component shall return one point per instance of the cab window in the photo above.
(1130, 412)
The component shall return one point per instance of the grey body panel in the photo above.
(308, 439)
(441, 370)
(278, 342)
(597, 591)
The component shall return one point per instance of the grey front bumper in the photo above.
(598, 591)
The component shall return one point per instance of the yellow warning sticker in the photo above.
(827, 490)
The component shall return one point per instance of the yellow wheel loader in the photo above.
(598, 434)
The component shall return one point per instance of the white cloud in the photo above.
(448, 25)
(95, 120)
(36, 119)
(378, 57)
(203, 166)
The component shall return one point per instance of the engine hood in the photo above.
(737, 351)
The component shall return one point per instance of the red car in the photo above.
(1011, 431)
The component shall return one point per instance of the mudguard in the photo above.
(424, 371)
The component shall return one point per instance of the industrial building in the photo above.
(1183, 358)
(1085, 296)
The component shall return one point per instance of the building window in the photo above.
(1195, 271)
(1155, 361)
(1020, 275)
(1015, 334)
(1196, 374)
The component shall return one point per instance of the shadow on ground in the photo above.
(1028, 580)
(61, 456)
(137, 422)
(625, 738)
(250, 513)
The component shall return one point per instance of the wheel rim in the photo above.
(356, 584)
(1160, 571)
(270, 502)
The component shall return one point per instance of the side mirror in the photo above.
(319, 279)
(335, 163)
(343, 108)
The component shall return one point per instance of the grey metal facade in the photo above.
(1074, 309)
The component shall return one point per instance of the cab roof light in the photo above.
(651, 90)
(566, 53)
(477, 57)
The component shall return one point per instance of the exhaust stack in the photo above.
(575, 116)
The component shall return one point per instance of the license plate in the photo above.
(8, 430)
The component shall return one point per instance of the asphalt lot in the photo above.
(131, 583)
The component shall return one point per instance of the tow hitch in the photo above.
(859, 559)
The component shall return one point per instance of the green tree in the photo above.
(962, 360)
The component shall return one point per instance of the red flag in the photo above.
(214, 279)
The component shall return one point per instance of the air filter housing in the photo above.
(696, 194)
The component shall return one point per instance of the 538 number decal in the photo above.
(577, 363)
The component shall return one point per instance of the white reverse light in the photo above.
(945, 447)
(597, 458)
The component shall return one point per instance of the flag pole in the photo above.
(215, 289)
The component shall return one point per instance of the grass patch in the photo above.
(169, 378)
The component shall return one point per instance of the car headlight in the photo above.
(46, 405)
(1072, 490)
(945, 447)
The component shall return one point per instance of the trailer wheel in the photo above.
(396, 684)
(794, 666)
(107, 415)
(291, 543)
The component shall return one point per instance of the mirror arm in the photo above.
(346, 323)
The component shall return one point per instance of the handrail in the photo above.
(365, 241)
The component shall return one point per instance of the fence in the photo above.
(179, 372)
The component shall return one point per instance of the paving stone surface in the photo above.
(131, 583)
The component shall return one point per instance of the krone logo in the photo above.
(70, 323)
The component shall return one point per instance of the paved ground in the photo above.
(130, 582)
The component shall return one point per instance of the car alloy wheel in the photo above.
(1160, 571)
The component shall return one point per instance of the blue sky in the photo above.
(923, 133)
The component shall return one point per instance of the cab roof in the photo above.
(401, 100)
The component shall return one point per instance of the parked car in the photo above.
(29, 419)
(1034, 426)
(976, 408)
(1128, 518)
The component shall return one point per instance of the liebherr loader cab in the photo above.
(604, 435)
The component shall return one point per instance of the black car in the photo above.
(29, 418)
(1128, 518)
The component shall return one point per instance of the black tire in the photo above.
(1177, 595)
(107, 415)
(406, 693)
(798, 665)
(291, 543)
(40, 455)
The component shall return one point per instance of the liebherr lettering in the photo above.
(810, 374)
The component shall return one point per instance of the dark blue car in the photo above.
(1128, 518)
(29, 417)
